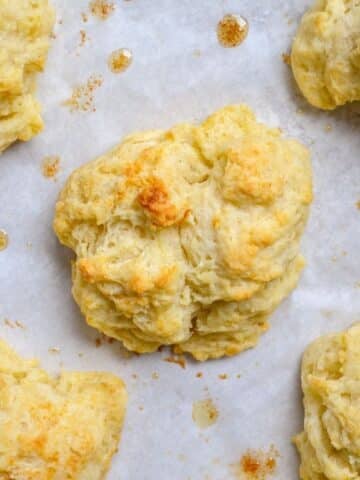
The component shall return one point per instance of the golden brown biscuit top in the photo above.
(57, 428)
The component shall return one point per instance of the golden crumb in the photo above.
(232, 30)
(141, 408)
(199, 374)
(82, 98)
(50, 166)
(101, 8)
(120, 60)
(4, 240)
(9, 323)
(223, 376)
(54, 350)
(155, 376)
(256, 464)
(358, 204)
(84, 17)
(204, 413)
(134, 376)
(179, 360)
(98, 342)
(238, 375)
(20, 325)
(286, 58)
(83, 38)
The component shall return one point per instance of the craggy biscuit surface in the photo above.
(325, 56)
(188, 237)
(57, 429)
(330, 444)
(25, 26)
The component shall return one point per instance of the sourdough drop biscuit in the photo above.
(57, 429)
(325, 56)
(330, 444)
(25, 26)
(188, 237)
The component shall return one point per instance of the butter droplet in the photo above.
(232, 30)
(120, 60)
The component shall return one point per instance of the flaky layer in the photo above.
(57, 429)
(188, 237)
(330, 444)
(25, 27)
(325, 56)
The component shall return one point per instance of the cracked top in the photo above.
(188, 236)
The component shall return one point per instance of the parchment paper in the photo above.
(170, 82)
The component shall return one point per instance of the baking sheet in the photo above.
(180, 73)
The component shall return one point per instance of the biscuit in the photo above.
(25, 27)
(329, 446)
(64, 428)
(188, 237)
(325, 55)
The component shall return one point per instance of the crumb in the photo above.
(334, 258)
(53, 36)
(126, 354)
(82, 98)
(256, 464)
(286, 58)
(223, 376)
(60, 22)
(84, 17)
(141, 408)
(98, 342)
(328, 128)
(54, 350)
(28, 245)
(120, 60)
(4, 240)
(134, 376)
(199, 374)
(102, 9)
(357, 204)
(232, 30)
(80, 354)
(238, 375)
(155, 376)
(83, 38)
(20, 325)
(50, 166)
(9, 323)
(178, 360)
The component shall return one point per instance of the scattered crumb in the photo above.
(134, 376)
(141, 408)
(204, 413)
(126, 354)
(358, 204)
(53, 36)
(4, 240)
(98, 342)
(197, 53)
(223, 376)
(256, 464)
(20, 325)
(286, 58)
(54, 350)
(179, 360)
(328, 128)
(84, 17)
(83, 38)
(232, 30)
(199, 374)
(155, 376)
(50, 166)
(102, 9)
(82, 98)
(120, 60)
(238, 375)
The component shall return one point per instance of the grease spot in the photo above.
(204, 413)
(120, 60)
(256, 464)
(50, 166)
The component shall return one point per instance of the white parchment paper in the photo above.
(170, 82)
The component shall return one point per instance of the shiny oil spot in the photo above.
(120, 60)
(232, 30)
